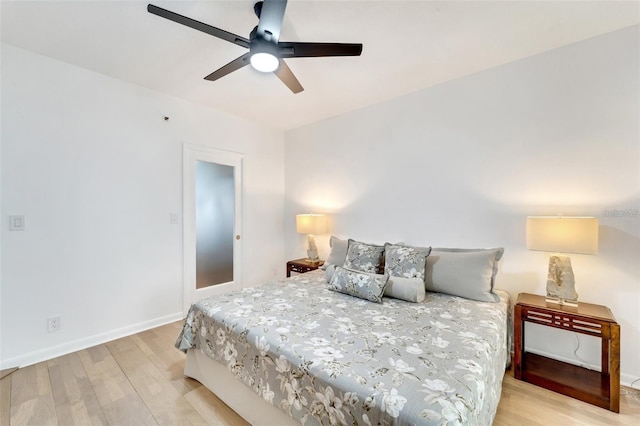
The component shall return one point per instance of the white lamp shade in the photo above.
(562, 234)
(314, 224)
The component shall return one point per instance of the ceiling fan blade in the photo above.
(285, 74)
(192, 23)
(271, 16)
(232, 66)
(289, 49)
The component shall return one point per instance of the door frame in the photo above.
(190, 155)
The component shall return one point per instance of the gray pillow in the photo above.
(328, 273)
(338, 252)
(359, 284)
(363, 257)
(409, 289)
(468, 273)
(405, 261)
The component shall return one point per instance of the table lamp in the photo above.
(311, 224)
(562, 234)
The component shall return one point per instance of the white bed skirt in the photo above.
(243, 400)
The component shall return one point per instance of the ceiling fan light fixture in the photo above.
(264, 62)
(266, 52)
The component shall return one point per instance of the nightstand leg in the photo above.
(518, 342)
(614, 369)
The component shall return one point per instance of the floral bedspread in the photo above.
(330, 358)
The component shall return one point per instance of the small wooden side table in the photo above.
(597, 388)
(302, 265)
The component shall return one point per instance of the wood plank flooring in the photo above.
(138, 380)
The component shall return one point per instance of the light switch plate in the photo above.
(16, 223)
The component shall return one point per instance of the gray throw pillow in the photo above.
(338, 252)
(468, 273)
(409, 289)
(359, 284)
(405, 261)
(363, 257)
(328, 273)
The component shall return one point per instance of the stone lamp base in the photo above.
(312, 250)
(561, 284)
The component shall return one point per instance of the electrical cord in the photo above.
(575, 353)
(631, 391)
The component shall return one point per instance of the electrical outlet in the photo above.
(53, 324)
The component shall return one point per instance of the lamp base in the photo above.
(561, 302)
(312, 250)
(561, 284)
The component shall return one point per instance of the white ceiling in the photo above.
(408, 45)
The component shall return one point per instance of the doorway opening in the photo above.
(212, 211)
(214, 223)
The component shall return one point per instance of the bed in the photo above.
(294, 352)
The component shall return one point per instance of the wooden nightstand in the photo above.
(597, 388)
(302, 266)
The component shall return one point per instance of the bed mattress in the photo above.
(324, 357)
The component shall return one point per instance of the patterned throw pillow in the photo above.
(405, 261)
(359, 284)
(363, 257)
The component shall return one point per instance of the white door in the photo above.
(212, 211)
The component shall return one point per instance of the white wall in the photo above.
(462, 164)
(96, 170)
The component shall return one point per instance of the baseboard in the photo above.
(87, 342)
(7, 372)
(625, 379)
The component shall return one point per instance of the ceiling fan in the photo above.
(266, 53)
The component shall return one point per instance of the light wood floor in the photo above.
(138, 380)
